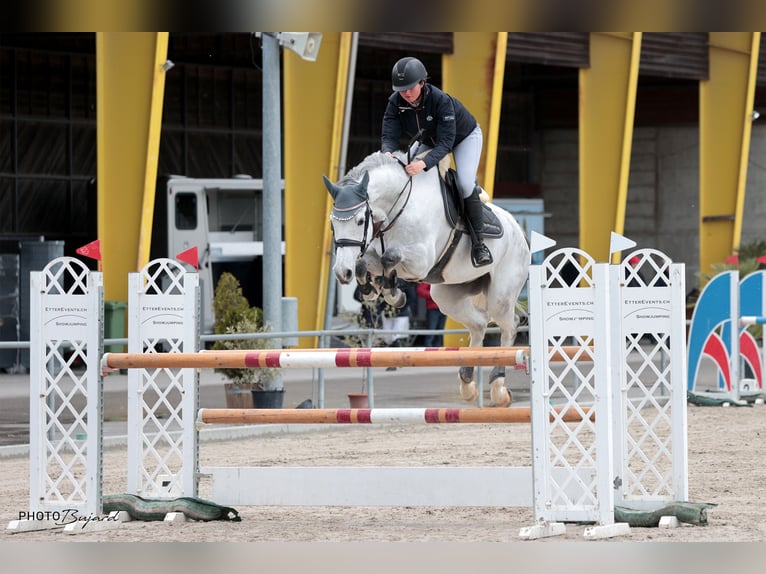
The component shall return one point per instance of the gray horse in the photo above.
(388, 224)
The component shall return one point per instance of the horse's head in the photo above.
(351, 220)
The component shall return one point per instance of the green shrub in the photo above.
(233, 315)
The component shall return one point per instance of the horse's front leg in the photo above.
(367, 287)
(391, 292)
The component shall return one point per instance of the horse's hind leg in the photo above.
(508, 322)
(469, 391)
(457, 301)
(498, 392)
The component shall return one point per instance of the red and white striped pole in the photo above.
(377, 416)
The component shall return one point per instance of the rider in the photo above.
(447, 127)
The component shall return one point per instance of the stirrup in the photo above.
(480, 255)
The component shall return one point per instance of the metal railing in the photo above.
(326, 337)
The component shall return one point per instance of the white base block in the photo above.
(544, 530)
(669, 522)
(15, 526)
(607, 531)
(175, 517)
(370, 486)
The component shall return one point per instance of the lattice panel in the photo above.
(162, 421)
(568, 457)
(649, 457)
(571, 445)
(66, 317)
(65, 423)
(166, 399)
(648, 449)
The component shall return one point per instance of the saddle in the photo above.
(452, 200)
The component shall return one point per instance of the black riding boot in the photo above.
(480, 254)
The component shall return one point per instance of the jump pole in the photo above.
(377, 416)
(352, 357)
(744, 321)
(364, 357)
(555, 355)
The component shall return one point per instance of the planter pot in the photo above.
(238, 396)
(268, 399)
(358, 400)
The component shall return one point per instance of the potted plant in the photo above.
(233, 315)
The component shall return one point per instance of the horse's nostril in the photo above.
(344, 276)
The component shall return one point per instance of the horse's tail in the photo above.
(521, 313)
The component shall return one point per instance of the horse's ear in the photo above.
(365, 179)
(331, 187)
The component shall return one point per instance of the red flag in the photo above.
(92, 250)
(189, 256)
(732, 259)
(762, 259)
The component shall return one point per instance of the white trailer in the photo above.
(223, 219)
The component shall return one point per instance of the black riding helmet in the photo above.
(407, 73)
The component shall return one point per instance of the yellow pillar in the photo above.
(152, 149)
(314, 105)
(726, 106)
(474, 74)
(129, 106)
(607, 107)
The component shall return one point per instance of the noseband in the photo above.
(362, 244)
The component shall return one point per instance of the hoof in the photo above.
(469, 391)
(372, 296)
(500, 396)
(398, 300)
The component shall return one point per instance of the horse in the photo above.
(387, 224)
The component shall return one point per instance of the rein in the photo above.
(408, 187)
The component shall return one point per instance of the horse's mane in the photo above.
(373, 161)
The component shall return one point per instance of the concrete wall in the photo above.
(558, 173)
(754, 221)
(677, 214)
(663, 209)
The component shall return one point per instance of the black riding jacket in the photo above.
(445, 121)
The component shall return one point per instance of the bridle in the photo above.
(377, 231)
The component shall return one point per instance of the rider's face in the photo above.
(413, 94)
